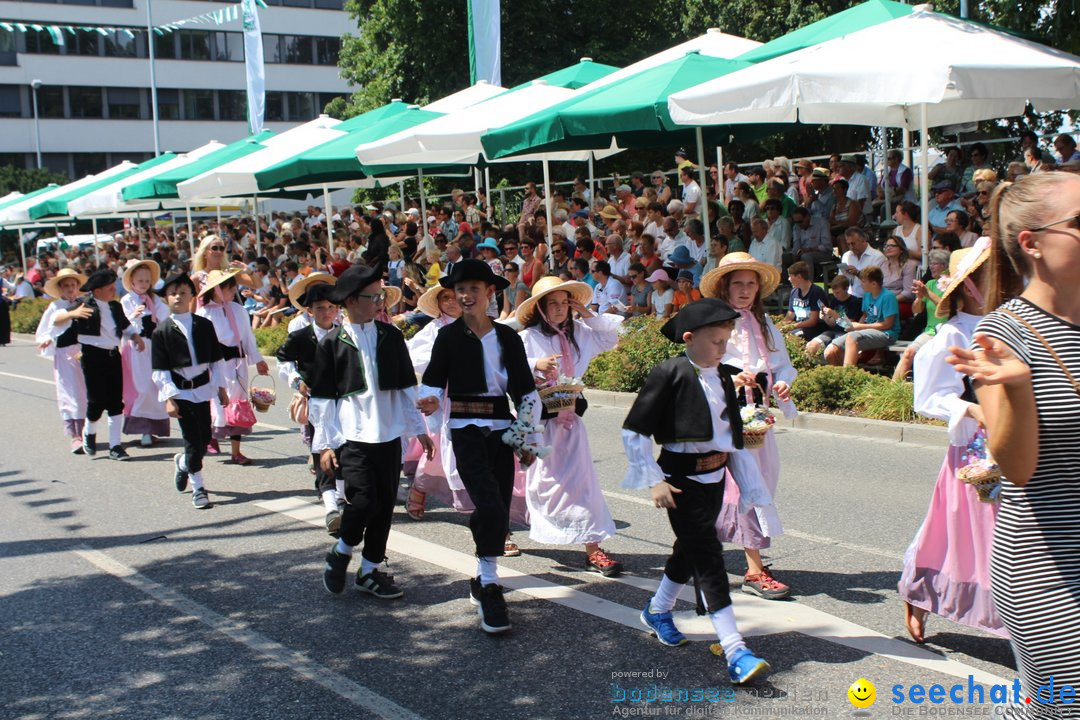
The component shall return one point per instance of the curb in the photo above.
(818, 422)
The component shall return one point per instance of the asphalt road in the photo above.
(119, 600)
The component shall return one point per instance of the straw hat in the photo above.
(301, 285)
(218, 277)
(610, 213)
(768, 275)
(962, 263)
(52, 286)
(132, 266)
(393, 296)
(429, 301)
(545, 286)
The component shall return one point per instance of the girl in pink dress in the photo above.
(947, 566)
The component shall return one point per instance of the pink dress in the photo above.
(947, 566)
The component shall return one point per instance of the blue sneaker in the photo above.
(745, 666)
(662, 626)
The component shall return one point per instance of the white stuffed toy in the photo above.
(522, 435)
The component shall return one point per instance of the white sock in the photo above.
(342, 548)
(367, 566)
(724, 623)
(182, 462)
(90, 428)
(666, 595)
(116, 426)
(196, 480)
(329, 500)
(488, 570)
(339, 485)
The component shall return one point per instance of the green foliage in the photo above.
(884, 399)
(271, 338)
(641, 347)
(17, 179)
(796, 350)
(830, 389)
(408, 330)
(27, 314)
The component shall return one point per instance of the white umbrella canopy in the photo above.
(880, 75)
(471, 95)
(109, 200)
(19, 212)
(238, 177)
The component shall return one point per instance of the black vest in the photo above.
(338, 372)
(671, 407)
(169, 348)
(300, 348)
(457, 362)
(92, 324)
(70, 336)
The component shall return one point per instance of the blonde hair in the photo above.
(984, 175)
(1015, 207)
(199, 262)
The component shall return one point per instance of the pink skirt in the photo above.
(947, 566)
(743, 529)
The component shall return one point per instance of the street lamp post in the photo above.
(34, 85)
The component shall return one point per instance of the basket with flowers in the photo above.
(562, 394)
(980, 471)
(263, 397)
(757, 423)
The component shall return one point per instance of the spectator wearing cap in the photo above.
(691, 191)
(682, 159)
(681, 260)
(637, 183)
(685, 292)
(858, 190)
(1066, 149)
(821, 199)
(945, 202)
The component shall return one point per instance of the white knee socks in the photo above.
(116, 426)
(329, 500)
(366, 566)
(666, 595)
(488, 570)
(340, 486)
(724, 623)
(196, 480)
(342, 548)
(89, 428)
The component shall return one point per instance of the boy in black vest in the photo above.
(188, 370)
(690, 406)
(363, 400)
(296, 360)
(478, 363)
(100, 333)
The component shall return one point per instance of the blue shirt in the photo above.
(938, 214)
(883, 306)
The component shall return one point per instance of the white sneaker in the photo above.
(147, 440)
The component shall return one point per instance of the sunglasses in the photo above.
(217, 248)
(510, 268)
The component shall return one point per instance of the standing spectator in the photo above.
(811, 241)
(899, 179)
(732, 177)
(821, 198)
(878, 327)
(1025, 359)
(979, 156)
(859, 256)
(530, 204)
(759, 190)
(858, 189)
(663, 190)
(691, 192)
(949, 171)
(845, 214)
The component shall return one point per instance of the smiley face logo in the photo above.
(862, 693)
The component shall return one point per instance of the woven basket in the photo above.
(984, 483)
(754, 439)
(566, 400)
(263, 397)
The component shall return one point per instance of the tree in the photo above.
(17, 179)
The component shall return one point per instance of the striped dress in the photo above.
(1035, 564)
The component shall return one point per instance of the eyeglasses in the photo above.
(373, 297)
(1073, 221)
(217, 248)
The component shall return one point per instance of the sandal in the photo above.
(414, 504)
(212, 448)
(510, 548)
(915, 621)
(311, 464)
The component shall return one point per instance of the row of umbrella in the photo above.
(880, 63)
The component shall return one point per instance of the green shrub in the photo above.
(883, 399)
(830, 389)
(408, 330)
(796, 350)
(271, 338)
(27, 314)
(641, 347)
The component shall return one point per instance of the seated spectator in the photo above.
(805, 303)
(958, 222)
(840, 306)
(908, 228)
(1065, 145)
(609, 295)
(948, 171)
(516, 291)
(740, 227)
(843, 216)
(647, 254)
(779, 226)
(945, 202)
(927, 297)
(900, 272)
(762, 247)
(811, 241)
(579, 270)
(686, 292)
(945, 241)
(660, 300)
(681, 259)
(640, 291)
(878, 327)
(777, 189)
(979, 156)
(718, 248)
(1015, 171)
(745, 194)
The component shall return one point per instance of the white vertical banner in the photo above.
(485, 42)
(253, 60)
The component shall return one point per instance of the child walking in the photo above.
(144, 413)
(58, 340)
(688, 404)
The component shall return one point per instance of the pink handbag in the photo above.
(239, 413)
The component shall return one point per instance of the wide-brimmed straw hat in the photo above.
(153, 267)
(545, 286)
(610, 212)
(429, 301)
(393, 296)
(768, 275)
(219, 277)
(962, 263)
(52, 286)
(300, 286)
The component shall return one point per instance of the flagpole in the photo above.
(703, 203)
(258, 230)
(153, 79)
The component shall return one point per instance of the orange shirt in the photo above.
(681, 300)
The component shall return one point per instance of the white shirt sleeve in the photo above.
(166, 388)
(939, 387)
(289, 373)
(642, 469)
(323, 416)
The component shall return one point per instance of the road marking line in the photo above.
(756, 616)
(270, 650)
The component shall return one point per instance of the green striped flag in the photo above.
(485, 41)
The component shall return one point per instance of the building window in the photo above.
(50, 100)
(10, 102)
(298, 49)
(16, 159)
(232, 105)
(165, 46)
(194, 45)
(40, 43)
(8, 47)
(124, 103)
(198, 104)
(301, 106)
(229, 47)
(88, 163)
(327, 98)
(85, 102)
(275, 106)
(83, 43)
(168, 102)
(327, 50)
(119, 44)
(271, 48)
(330, 4)
(56, 162)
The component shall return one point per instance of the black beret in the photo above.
(698, 314)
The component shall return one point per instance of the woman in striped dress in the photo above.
(1025, 361)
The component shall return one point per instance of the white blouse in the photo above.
(743, 352)
(593, 336)
(938, 386)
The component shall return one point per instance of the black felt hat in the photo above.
(315, 293)
(352, 281)
(181, 278)
(99, 279)
(698, 314)
(472, 270)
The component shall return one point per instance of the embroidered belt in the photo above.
(676, 463)
(482, 407)
(196, 382)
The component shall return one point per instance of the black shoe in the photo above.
(494, 617)
(181, 476)
(335, 571)
(118, 453)
(89, 444)
(379, 584)
(474, 591)
(333, 523)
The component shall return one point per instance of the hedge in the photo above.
(27, 314)
(641, 347)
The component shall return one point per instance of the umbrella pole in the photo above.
(592, 181)
(547, 204)
(138, 234)
(487, 193)
(190, 229)
(22, 250)
(97, 250)
(905, 140)
(703, 203)
(401, 192)
(425, 231)
(329, 215)
(476, 179)
(258, 230)
(924, 183)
